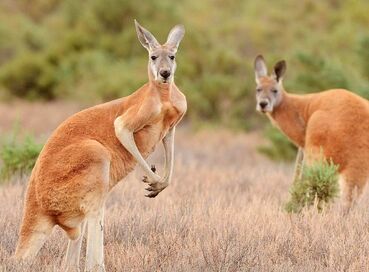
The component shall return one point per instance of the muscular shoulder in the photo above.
(139, 112)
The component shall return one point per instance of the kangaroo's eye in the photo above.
(274, 91)
(258, 90)
(172, 57)
(154, 57)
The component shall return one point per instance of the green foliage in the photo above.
(29, 76)
(18, 157)
(330, 74)
(326, 74)
(363, 53)
(279, 148)
(88, 50)
(318, 185)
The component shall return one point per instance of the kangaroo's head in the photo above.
(269, 89)
(162, 58)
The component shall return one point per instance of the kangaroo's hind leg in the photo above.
(72, 257)
(83, 198)
(97, 187)
(90, 202)
(349, 181)
(95, 239)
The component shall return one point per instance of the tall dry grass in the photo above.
(223, 212)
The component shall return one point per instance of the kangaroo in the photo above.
(332, 123)
(90, 152)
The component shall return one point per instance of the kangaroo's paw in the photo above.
(145, 178)
(156, 188)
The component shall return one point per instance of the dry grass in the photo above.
(222, 213)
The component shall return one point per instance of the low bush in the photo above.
(29, 76)
(18, 157)
(318, 185)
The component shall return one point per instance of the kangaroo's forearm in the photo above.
(168, 143)
(126, 138)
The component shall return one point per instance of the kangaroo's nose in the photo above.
(263, 104)
(165, 73)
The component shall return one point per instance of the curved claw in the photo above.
(153, 194)
(155, 188)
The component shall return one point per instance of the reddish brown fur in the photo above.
(336, 121)
(68, 178)
(94, 149)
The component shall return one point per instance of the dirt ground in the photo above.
(223, 212)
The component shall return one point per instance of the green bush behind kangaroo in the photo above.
(88, 50)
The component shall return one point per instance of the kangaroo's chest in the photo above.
(170, 114)
(293, 126)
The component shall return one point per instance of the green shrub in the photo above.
(29, 76)
(18, 157)
(318, 73)
(89, 50)
(363, 52)
(279, 148)
(318, 185)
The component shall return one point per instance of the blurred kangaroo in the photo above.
(90, 152)
(333, 122)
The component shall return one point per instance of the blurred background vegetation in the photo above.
(88, 51)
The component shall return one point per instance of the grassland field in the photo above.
(223, 211)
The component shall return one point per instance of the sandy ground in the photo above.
(223, 212)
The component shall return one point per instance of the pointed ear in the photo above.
(260, 68)
(175, 36)
(279, 70)
(146, 38)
